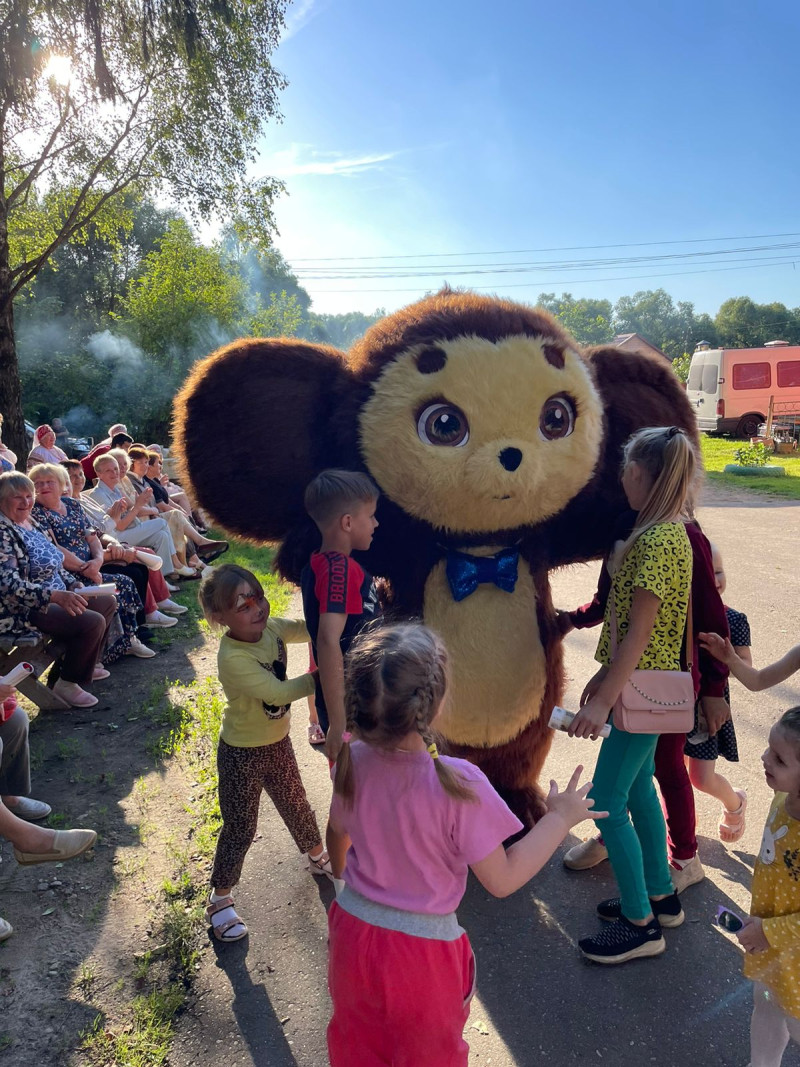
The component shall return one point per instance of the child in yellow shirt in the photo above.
(771, 935)
(255, 751)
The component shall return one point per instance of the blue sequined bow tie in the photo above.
(465, 573)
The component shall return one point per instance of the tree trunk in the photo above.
(13, 429)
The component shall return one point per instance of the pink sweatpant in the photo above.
(398, 1001)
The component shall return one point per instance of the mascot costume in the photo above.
(496, 443)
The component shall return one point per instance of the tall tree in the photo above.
(164, 95)
(653, 314)
(741, 323)
(588, 320)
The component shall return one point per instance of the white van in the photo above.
(730, 388)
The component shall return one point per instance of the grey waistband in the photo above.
(414, 923)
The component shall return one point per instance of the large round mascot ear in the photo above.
(254, 424)
(638, 390)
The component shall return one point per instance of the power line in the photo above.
(454, 270)
(572, 281)
(563, 248)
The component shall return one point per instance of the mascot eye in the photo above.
(443, 424)
(557, 418)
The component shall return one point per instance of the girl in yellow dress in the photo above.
(771, 934)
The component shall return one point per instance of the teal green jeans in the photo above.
(634, 832)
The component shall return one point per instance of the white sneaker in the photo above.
(172, 607)
(72, 693)
(155, 618)
(139, 649)
(186, 572)
(585, 855)
(690, 874)
(172, 588)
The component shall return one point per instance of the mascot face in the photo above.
(474, 435)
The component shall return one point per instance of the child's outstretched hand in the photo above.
(573, 805)
(719, 647)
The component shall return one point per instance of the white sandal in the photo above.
(320, 865)
(220, 929)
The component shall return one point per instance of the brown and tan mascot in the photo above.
(496, 443)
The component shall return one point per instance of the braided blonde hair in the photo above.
(395, 681)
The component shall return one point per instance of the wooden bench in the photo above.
(40, 653)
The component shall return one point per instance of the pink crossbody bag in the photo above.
(656, 702)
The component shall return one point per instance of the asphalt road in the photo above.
(263, 1001)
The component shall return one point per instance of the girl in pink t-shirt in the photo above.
(405, 826)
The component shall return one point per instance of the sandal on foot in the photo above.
(320, 865)
(316, 735)
(222, 927)
(732, 826)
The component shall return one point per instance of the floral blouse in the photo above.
(20, 592)
(70, 530)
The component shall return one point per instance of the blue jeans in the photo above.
(623, 786)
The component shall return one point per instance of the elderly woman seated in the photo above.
(84, 556)
(140, 564)
(176, 493)
(37, 594)
(133, 489)
(180, 525)
(131, 521)
(44, 448)
(18, 811)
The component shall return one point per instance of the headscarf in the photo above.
(40, 432)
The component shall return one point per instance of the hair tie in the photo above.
(347, 737)
(434, 751)
(672, 431)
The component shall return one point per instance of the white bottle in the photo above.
(560, 719)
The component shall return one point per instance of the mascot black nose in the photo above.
(510, 458)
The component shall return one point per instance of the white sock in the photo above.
(680, 864)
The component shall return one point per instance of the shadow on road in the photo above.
(258, 1024)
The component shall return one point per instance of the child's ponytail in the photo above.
(669, 457)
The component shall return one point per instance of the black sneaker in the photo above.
(668, 911)
(622, 941)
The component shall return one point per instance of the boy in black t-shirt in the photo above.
(339, 597)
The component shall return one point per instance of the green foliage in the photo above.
(741, 323)
(282, 318)
(681, 365)
(719, 451)
(752, 455)
(342, 330)
(185, 292)
(589, 321)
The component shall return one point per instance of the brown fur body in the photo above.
(287, 409)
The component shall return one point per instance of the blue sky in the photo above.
(444, 128)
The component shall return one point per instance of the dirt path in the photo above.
(78, 926)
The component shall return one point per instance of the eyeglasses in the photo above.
(729, 920)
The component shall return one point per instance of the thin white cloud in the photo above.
(300, 159)
(299, 14)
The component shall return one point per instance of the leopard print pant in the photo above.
(243, 773)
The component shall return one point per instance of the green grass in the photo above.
(190, 717)
(718, 451)
(255, 559)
